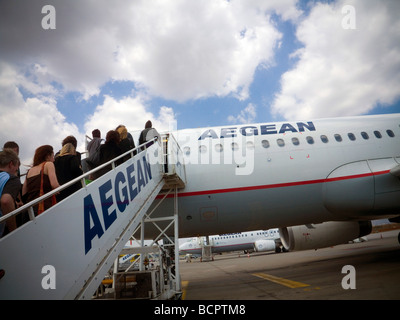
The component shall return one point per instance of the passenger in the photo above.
(10, 188)
(93, 147)
(148, 134)
(129, 135)
(108, 151)
(70, 139)
(67, 168)
(125, 144)
(40, 179)
(14, 147)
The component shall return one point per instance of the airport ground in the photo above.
(304, 275)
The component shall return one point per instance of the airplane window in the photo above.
(186, 150)
(351, 136)
(338, 137)
(310, 140)
(390, 133)
(235, 146)
(202, 149)
(265, 143)
(324, 139)
(218, 147)
(377, 134)
(365, 135)
(250, 145)
(295, 141)
(280, 142)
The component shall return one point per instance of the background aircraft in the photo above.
(260, 240)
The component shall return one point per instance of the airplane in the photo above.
(320, 182)
(259, 241)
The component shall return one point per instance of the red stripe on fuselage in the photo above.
(277, 185)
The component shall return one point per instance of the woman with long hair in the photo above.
(68, 168)
(41, 178)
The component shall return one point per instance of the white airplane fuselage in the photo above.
(262, 176)
(240, 241)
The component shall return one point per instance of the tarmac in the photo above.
(367, 270)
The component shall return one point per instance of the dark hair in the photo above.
(11, 145)
(148, 124)
(96, 133)
(41, 154)
(69, 139)
(112, 135)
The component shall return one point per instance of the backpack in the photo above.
(94, 157)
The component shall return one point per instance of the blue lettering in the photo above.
(131, 181)
(89, 210)
(268, 129)
(228, 132)
(287, 127)
(208, 134)
(106, 203)
(253, 131)
(125, 191)
(141, 180)
(147, 170)
(310, 126)
(120, 178)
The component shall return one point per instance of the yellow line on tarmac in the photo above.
(285, 282)
(184, 285)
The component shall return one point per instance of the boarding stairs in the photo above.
(65, 252)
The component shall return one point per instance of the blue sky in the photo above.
(196, 64)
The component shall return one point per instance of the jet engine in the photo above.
(323, 235)
(264, 245)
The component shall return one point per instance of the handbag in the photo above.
(53, 197)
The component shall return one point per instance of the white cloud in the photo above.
(187, 50)
(30, 122)
(178, 50)
(129, 111)
(247, 115)
(343, 71)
